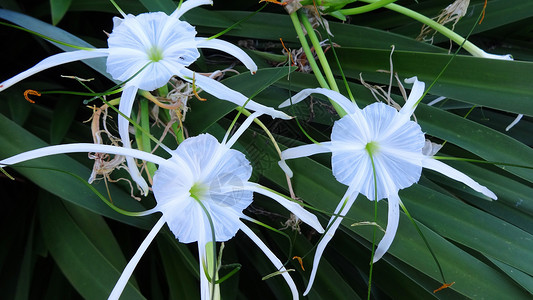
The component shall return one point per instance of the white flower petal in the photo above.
(410, 105)
(230, 49)
(293, 207)
(395, 152)
(82, 147)
(431, 148)
(444, 169)
(221, 91)
(52, 61)
(126, 274)
(515, 121)
(416, 93)
(161, 44)
(392, 226)
(125, 106)
(217, 174)
(348, 106)
(241, 129)
(342, 209)
(301, 151)
(275, 261)
(188, 5)
(495, 56)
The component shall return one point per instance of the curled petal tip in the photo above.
(496, 56)
(490, 194)
(411, 79)
(283, 165)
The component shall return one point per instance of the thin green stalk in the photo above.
(366, 8)
(481, 161)
(95, 191)
(468, 46)
(307, 50)
(145, 144)
(332, 47)
(374, 229)
(47, 38)
(425, 241)
(237, 23)
(319, 52)
(312, 62)
(211, 254)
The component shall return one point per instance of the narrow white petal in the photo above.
(334, 223)
(241, 129)
(275, 261)
(221, 91)
(515, 121)
(52, 61)
(392, 226)
(125, 106)
(188, 5)
(348, 106)
(306, 150)
(437, 100)
(301, 151)
(126, 274)
(85, 147)
(293, 207)
(496, 56)
(230, 49)
(283, 165)
(416, 93)
(407, 110)
(444, 169)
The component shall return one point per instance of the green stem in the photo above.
(319, 52)
(145, 144)
(47, 38)
(374, 229)
(425, 241)
(312, 62)
(307, 51)
(366, 8)
(468, 46)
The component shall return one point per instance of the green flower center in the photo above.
(155, 54)
(372, 147)
(198, 191)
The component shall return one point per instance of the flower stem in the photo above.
(307, 51)
(312, 62)
(468, 46)
(144, 143)
(319, 52)
(375, 221)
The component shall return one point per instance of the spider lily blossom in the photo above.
(377, 139)
(203, 183)
(148, 50)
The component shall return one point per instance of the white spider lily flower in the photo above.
(202, 181)
(376, 139)
(149, 49)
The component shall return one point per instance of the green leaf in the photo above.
(478, 280)
(469, 79)
(58, 9)
(56, 33)
(208, 112)
(84, 265)
(17, 140)
(62, 119)
(166, 6)
(182, 283)
(487, 143)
